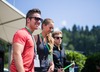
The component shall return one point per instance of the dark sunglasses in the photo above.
(58, 37)
(37, 18)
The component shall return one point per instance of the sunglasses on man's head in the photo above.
(58, 37)
(37, 19)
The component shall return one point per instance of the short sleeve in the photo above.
(19, 37)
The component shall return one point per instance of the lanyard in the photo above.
(35, 47)
(49, 56)
(46, 43)
(28, 30)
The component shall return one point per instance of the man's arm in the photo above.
(17, 51)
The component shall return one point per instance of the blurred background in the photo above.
(79, 21)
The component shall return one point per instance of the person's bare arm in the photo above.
(51, 68)
(17, 51)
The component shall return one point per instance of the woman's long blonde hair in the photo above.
(50, 39)
(50, 42)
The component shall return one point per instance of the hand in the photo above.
(51, 68)
(73, 65)
(60, 70)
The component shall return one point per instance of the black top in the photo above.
(59, 58)
(43, 53)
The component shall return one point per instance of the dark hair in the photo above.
(32, 11)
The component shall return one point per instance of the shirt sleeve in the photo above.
(19, 37)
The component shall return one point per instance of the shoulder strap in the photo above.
(36, 43)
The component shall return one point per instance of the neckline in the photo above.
(29, 30)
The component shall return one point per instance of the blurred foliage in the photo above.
(92, 63)
(82, 39)
(4, 49)
(3, 45)
(77, 57)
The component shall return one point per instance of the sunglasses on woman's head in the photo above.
(58, 37)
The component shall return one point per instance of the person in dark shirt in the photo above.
(44, 42)
(59, 56)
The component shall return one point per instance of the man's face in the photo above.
(58, 39)
(35, 21)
